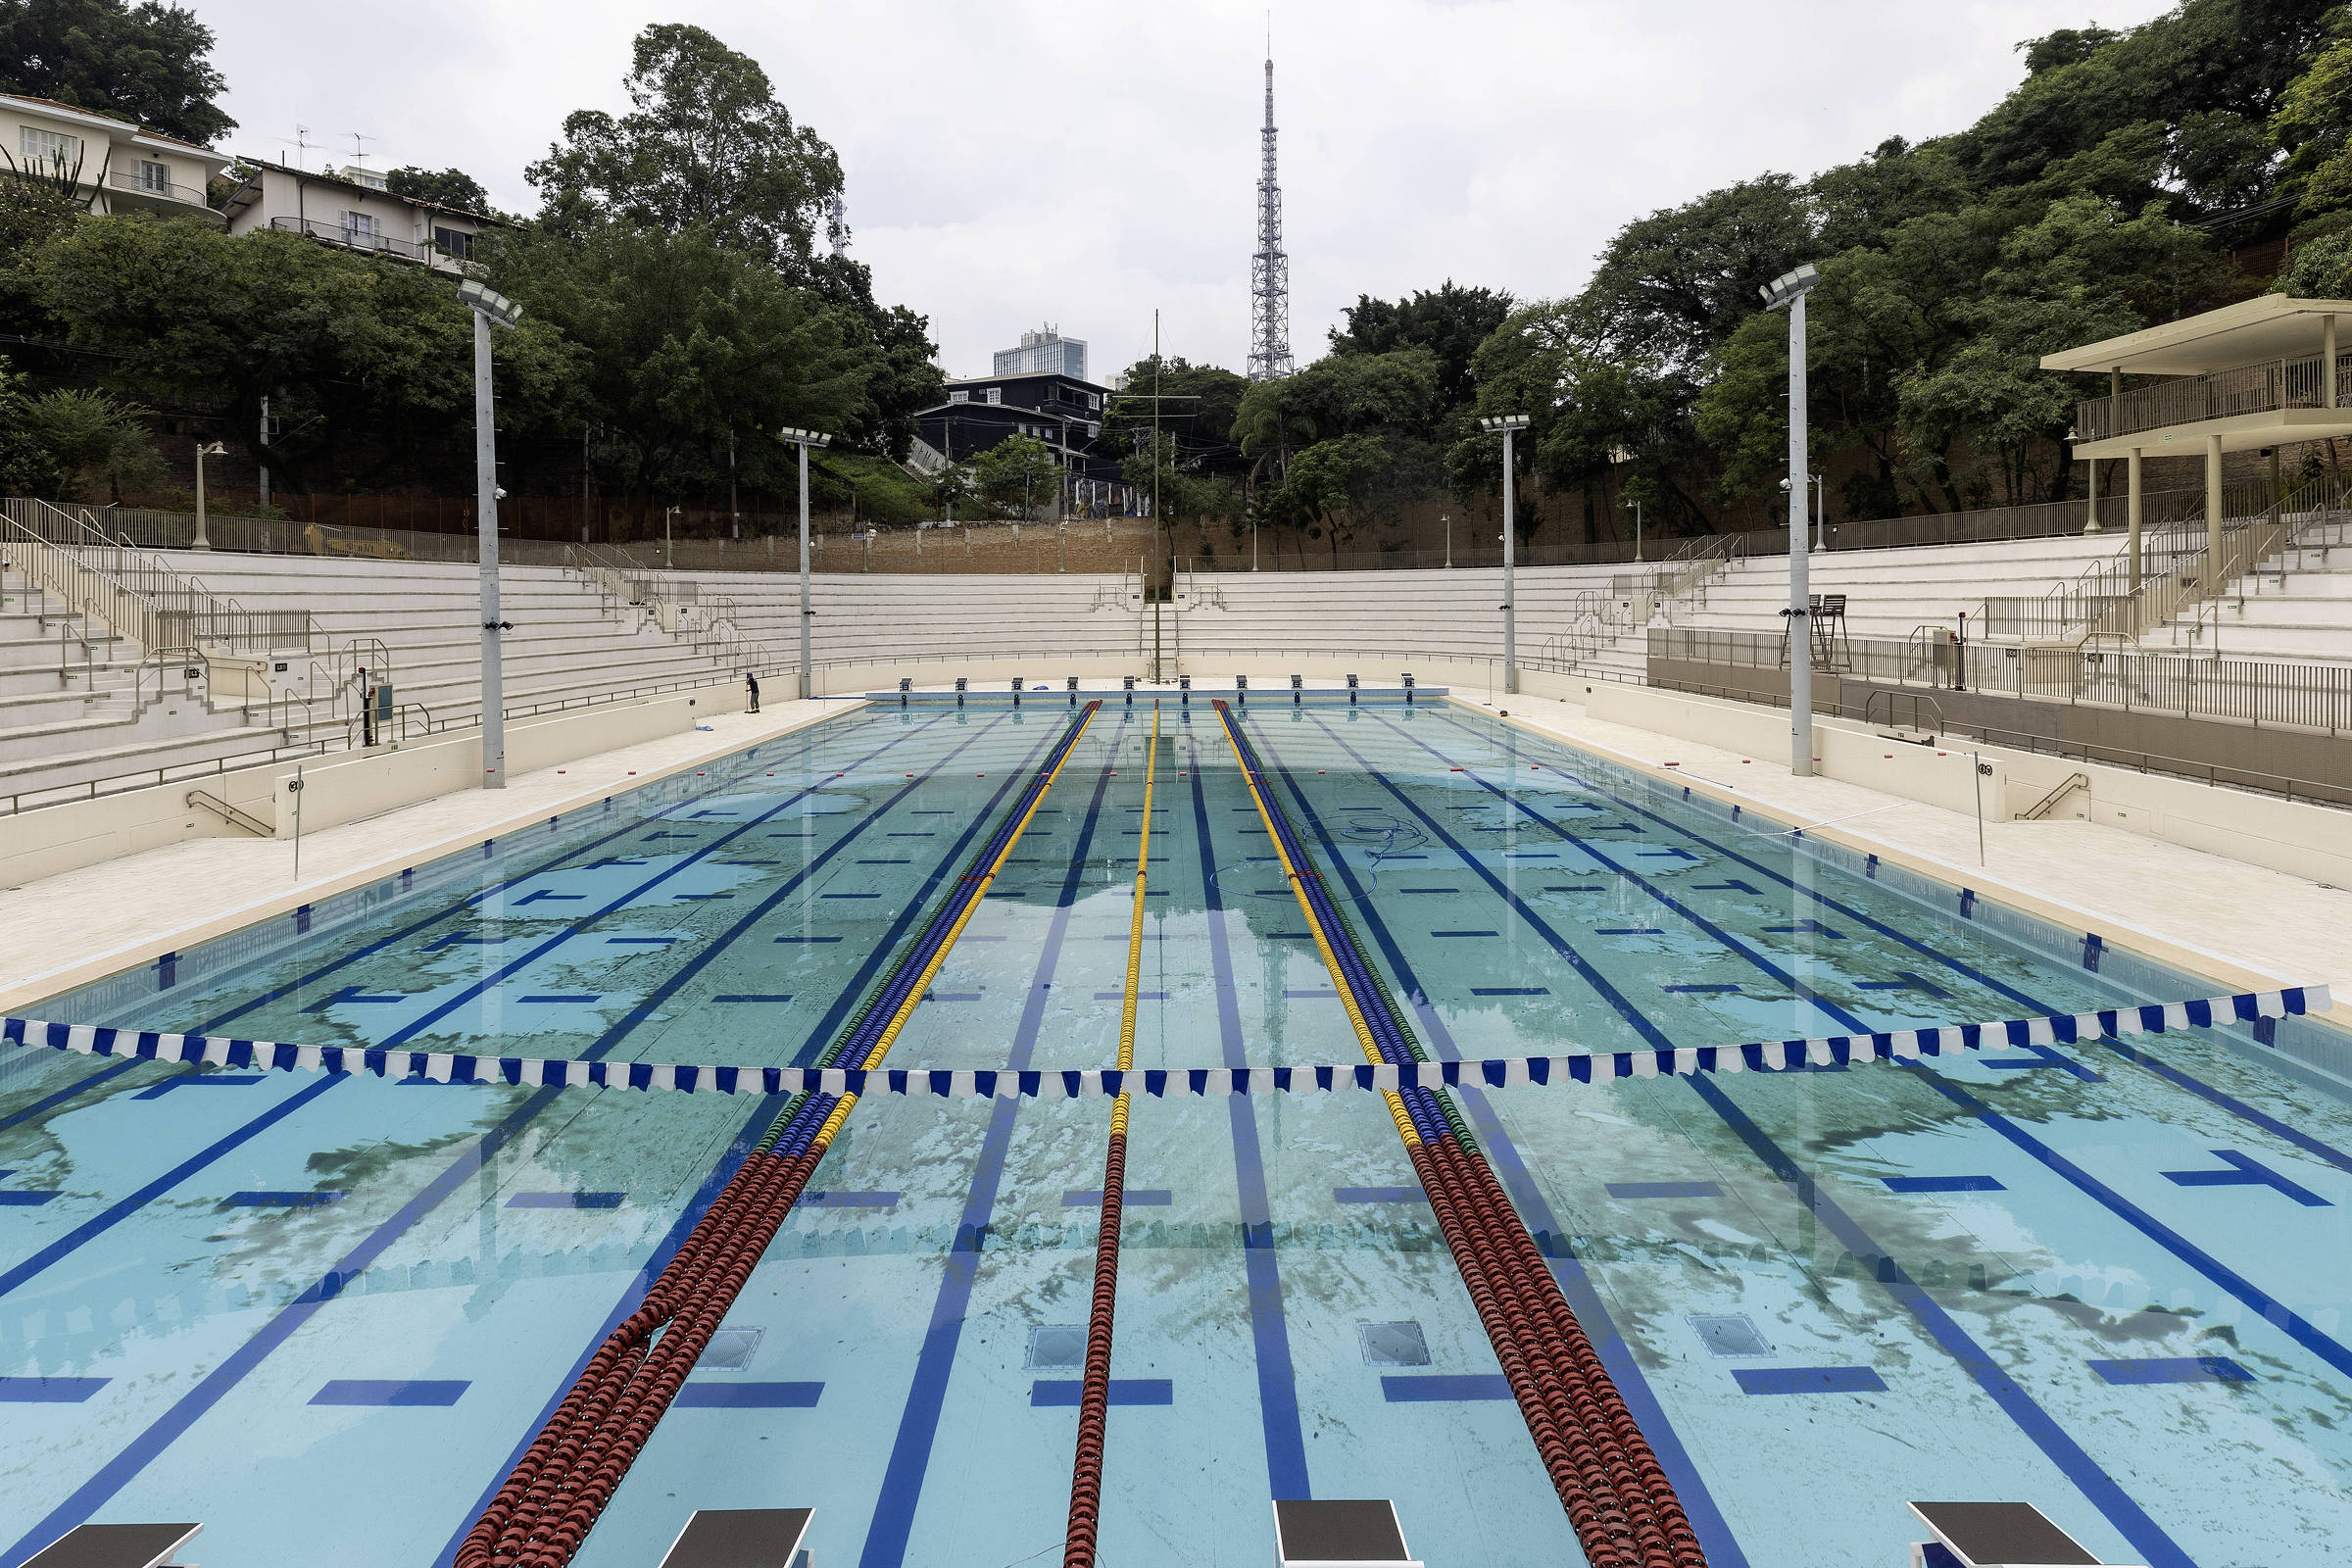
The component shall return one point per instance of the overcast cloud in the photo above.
(1014, 163)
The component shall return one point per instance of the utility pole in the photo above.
(804, 439)
(489, 307)
(1156, 598)
(1509, 426)
(1789, 289)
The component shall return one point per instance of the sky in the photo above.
(1014, 163)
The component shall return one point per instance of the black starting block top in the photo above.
(1358, 1532)
(115, 1546)
(2002, 1535)
(739, 1538)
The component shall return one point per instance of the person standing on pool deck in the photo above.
(752, 682)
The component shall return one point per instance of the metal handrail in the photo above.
(2260, 388)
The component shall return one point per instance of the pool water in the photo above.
(323, 1314)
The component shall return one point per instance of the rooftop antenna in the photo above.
(1270, 267)
(359, 148)
(302, 146)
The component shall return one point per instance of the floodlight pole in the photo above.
(1507, 426)
(1790, 289)
(804, 439)
(485, 487)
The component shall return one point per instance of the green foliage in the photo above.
(707, 146)
(81, 432)
(449, 187)
(1182, 495)
(32, 212)
(367, 363)
(679, 343)
(1199, 404)
(1016, 474)
(25, 467)
(148, 62)
(2322, 270)
(2314, 123)
(895, 343)
(1450, 322)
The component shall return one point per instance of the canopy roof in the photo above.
(2270, 326)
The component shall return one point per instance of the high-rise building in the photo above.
(1045, 352)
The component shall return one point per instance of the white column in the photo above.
(1800, 623)
(2093, 527)
(2132, 513)
(485, 484)
(2327, 361)
(806, 691)
(2213, 514)
(1510, 541)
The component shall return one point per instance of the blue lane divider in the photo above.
(1770, 1056)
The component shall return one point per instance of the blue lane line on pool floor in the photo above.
(566, 1199)
(2244, 1170)
(749, 1397)
(1576, 1282)
(2171, 1369)
(1279, 1420)
(160, 1433)
(282, 1200)
(903, 1476)
(411, 1392)
(1055, 1394)
(2101, 1489)
(846, 1199)
(1808, 1380)
(80, 1086)
(1132, 1196)
(1424, 1387)
(194, 1080)
(49, 1391)
(1942, 1184)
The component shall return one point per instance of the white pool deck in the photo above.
(2244, 925)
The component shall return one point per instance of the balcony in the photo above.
(158, 195)
(2265, 388)
(361, 239)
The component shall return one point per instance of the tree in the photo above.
(367, 363)
(1016, 473)
(449, 187)
(1450, 322)
(2314, 125)
(24, 468)
(81, 431)
(32, 212)
(1199, 404)
(685, 344)
(148, 62)
(707, 146)
(904, 377)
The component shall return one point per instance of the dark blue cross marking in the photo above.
(48, 1390)
(750, 1396)
(434, 1392)
(700, 898)
(1808, 927)
(2244, 1171)
(849, 895)
(1733, 886)
(348, 994)
(1564, 889)
(546, 896)
(1058, 1393)
(1628, 931)
(1274, 936)
(1511, 991)
(653, 837)
(1269, 893)
(1464, 933)
(554, 998)
(1942, 1184)
(1377, 1195)
(639, 942)
(1134, 1196)
(1310, 991)
(1808, 1380)
(1665, 1190)
(750, 995)
(1429, 890)
(2037, 1055)
(566, 1201)
(850, 1200)
(281, 1199)
(1667, 855)
(710, 811)
(1904, 980)
(217, 1080)
(1442, 1386)
(460, 939)
(1519, 855)
(23, 1199)
(891, 862)
(1704, 990)
(2173, 1369)
(1379, 857)
(791, 835)
(925, 834)
(807, 939)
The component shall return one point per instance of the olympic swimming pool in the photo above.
(322, 1314)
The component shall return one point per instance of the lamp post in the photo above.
(489, 309)
(1635, 502)
(804, 439)
(204, 450)
(1446, 517)
(1789, 289)
(1509, 426)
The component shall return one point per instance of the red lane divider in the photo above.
(1093, 1395)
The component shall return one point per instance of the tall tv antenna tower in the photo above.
(1271, 269)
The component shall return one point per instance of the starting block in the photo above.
(1995, 1534)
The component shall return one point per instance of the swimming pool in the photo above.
(323, 1314)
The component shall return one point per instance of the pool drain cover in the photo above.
(1393, 1344)
(730, 1350)
(1730, 1334)
(1056, 1346)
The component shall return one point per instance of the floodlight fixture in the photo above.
(1790, 285)
(490, 301)
(804, 438)
(1500, 423)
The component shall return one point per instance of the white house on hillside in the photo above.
(352, 208)
(117, 166)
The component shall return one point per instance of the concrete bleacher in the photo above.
(2297, 607)
(1451, 613)
(894, 617)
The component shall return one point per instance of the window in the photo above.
(996, 394)
(1094, 401)
(359, 228)
(959, 397)
(49, 147)
(454, 242)
(156, 178)
(1093, 430)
